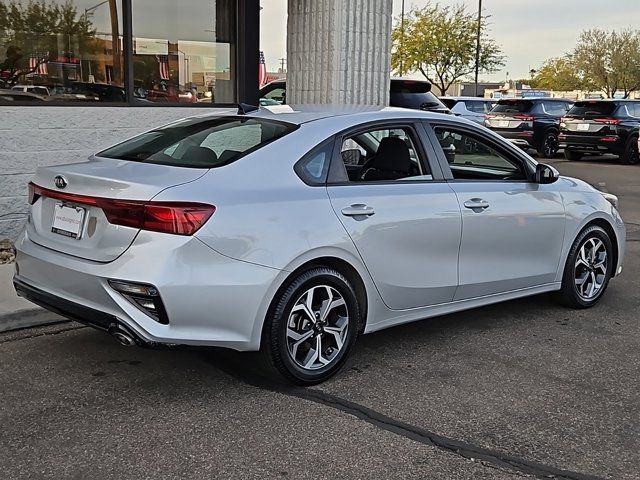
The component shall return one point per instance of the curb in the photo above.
(28, 318)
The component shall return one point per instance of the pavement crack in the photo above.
(494, 459)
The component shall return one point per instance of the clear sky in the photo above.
(529, 31)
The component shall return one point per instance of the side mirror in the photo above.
(546, 174)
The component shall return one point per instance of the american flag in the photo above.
(163, 66)
(39, 68)
(262, 70)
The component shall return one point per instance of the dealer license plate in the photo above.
(68, 220)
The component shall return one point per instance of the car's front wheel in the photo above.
(588, 269)
(310, 332)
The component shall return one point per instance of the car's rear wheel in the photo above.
(572, 155)
(631, 156)
(588, 269)
(549, 146)
(312, 328)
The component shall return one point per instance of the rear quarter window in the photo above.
(200, 143)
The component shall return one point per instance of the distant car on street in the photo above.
(293, 231)
(530, 123)
(471, 108)
(404, 93)
(104, 91)
(37, 89)
(602, 126)
(11, 96)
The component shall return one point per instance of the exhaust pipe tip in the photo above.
(123, 337)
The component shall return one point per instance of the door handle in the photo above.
(476, 204)
(358, 209)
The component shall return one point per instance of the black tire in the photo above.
(275, 348)
(631, 155)
(549, 146)
(570, 295)
(572, 155)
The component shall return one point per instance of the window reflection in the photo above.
(192, 61)
(61, 51)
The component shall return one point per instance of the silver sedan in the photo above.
(293, 230)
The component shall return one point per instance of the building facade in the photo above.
(79, 75)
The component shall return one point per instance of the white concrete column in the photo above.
(339, 51)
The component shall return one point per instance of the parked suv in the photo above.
(471, 108)
(414, 94)
(602, 126)
(530, 122)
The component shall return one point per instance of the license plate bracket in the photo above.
(68, 220)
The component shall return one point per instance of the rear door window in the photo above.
(557, 109)
(200, 143)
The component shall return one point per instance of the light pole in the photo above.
(402, 40)
(478, 43)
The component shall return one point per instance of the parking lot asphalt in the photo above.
(525, 389)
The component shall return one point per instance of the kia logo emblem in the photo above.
(60, 181)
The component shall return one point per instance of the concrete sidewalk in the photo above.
(16, 312)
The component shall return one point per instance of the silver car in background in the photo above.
(293, 230)
(471, 108)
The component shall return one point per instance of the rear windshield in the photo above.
(449, 102)
(200, 143)
(408, 86)
(425, 100)
(592, 108)
(513, 106)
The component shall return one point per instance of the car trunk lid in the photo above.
(66, 218)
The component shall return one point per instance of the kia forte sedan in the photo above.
(293, 230)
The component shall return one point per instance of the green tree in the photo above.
(440, 42)
(609, 60)
(40, 29)
(558, 74)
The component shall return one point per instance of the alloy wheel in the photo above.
(317, 327)
(591, 268)
(550, 147)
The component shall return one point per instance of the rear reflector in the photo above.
(609, 139)
(178, 218)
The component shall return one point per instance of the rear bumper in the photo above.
(520, 138)
(74, 311)
(591, 144)
(210, 299)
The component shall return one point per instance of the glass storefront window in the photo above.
(61, 51)
(184, 51)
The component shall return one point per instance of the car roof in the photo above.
(536, 99)
(300, 114)
(282, 81)
(482, 99)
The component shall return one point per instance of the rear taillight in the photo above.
(608, 121)
(178, 218)
(525, 118)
